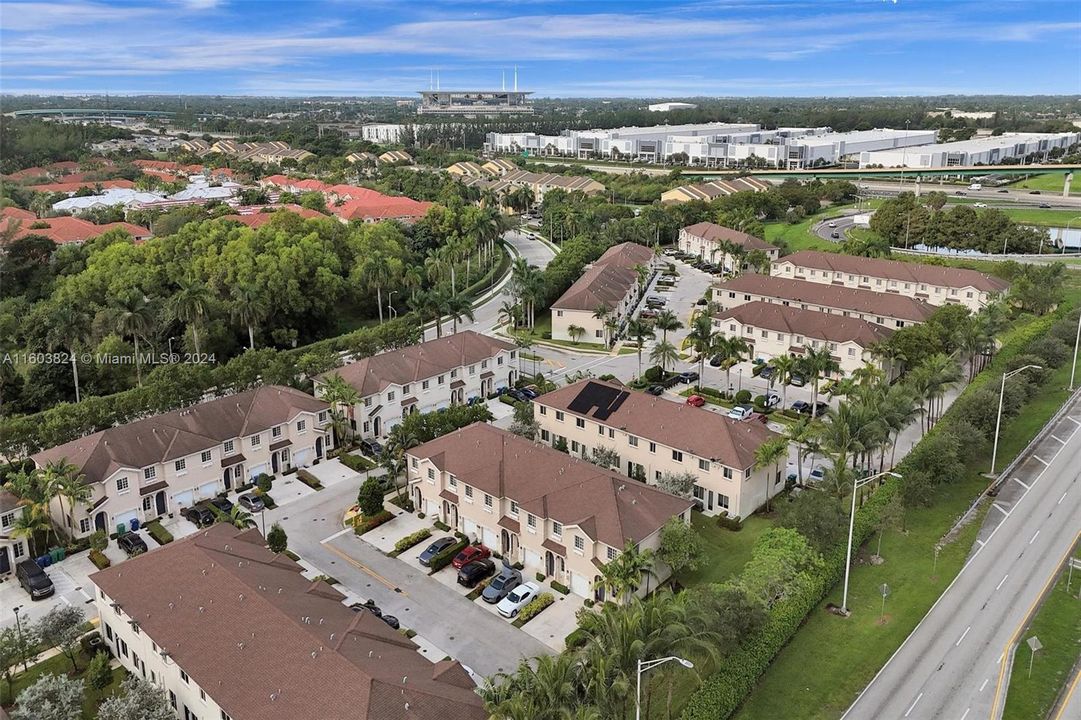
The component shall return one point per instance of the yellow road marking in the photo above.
(364, 568)
(1024, 624)
(1069, 695)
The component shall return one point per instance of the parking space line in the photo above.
(999, 508)
(1037, 457)
(1075, 420)
(1018, 481)
(1056, 437)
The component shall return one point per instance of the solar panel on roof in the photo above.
(605, 399)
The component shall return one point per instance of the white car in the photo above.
(740, 412)
(980, 205)
(831, 224)
(772, 399)
(518, 598)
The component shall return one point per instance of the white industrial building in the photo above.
(711, 144)
(669, 106)
(384, 133)
(966, 153)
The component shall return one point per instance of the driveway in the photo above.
(332, 472)
(446, 622)
(72, 588)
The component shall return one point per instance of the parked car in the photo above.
(757, 417)
(688, 377)
(647, 314)
(517, 599)
(473, 572)
(831, 224)
(979, 205)
(368, 605)
(702, 301)
(716, 360)
(34, 580)
(371, 448)
(1044, 205)
(132, 544)
(655, 390)
(469, 554)
(740, 412)
(434, 549)
(835, 235)
(1003, 190)
(655, 300)
(251, 502)
(772, 399)
(530, 392)
(1034, 192)
(804, 408)
(517, 395)
(797, 380)
(201, 515)
(391, 620)
(507, 579)
(768, 371)
(475, 400)
(696, 401)
(961, 192)
(223, 504)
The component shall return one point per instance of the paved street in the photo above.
(443, 618)
(951, 666)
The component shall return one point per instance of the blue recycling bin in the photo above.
(134, 524)
(44, 561)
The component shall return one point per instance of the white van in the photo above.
(975, 186)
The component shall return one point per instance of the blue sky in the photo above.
(641, 48)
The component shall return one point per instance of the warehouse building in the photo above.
(670, 106)
(967, 153)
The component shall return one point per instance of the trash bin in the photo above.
(54, 554)
(121, 528)
(134, 522)
(45, 561)
(60, 554)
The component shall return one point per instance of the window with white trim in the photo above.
(703, 464)
(150, 473)
(453, 481)
(677, 456)
(514, 508)
(727, 473)
(469, 493)
(405, 390)
(148, 502)
(579, 543)
(122, 484)
(276, 432)
(206, 456)
(302, 426)
(722, 500)
(612, 553)
(181, 465)
(632, 441)
(431, 473)
(227, 447)
(543, 410)
(559, 415)
(84, 525)
(531, 522)
(7, 520)
(424, 385)
(579, 422)
(390, 396)
(557, 529)
(488, 502)
(255, 440)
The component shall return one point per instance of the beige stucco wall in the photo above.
(728, 299)
(768, 344)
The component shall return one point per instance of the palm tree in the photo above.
(376, 271)
(784, 366)
(28, 524)
(576, 332)
(666, 320)
(818, 362)
(427, 304)
(639, 330)
(458, 307)
(133, 317)
(602, 313)
(411, 279)
(340, 394)
(701, 337)
(61, 479)
(510, 313)
(800, 432)
(769, 453)
(240, 518)
(68, 327)
(664, 353)
(941, 373)
(758, 261)
(248, 307)
(732, 350)
(190, 305)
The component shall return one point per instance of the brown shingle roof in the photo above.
(829, 295)
(714, 233)
(608, 280)
(694, 430)
(609, 507)
(897, 270)
(264, 642)
(809, 323)
(182, 432)
(417, 362)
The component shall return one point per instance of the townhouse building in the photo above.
(713, 189)
(773, 330)
(556, 514)
(613, 283)
(887, 309)
(13, 550)
(163, 464)
(934, 284)
(231, 631)
(466, 168)
(421, 378)
(653, 436)
(712, 243)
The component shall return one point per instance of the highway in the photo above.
(951, 666)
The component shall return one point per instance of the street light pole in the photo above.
(644, 665)
(851, 526)
(390, 304)
(19, 630)
(1076, 342)
(1001, 394)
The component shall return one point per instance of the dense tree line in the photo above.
(905, 221)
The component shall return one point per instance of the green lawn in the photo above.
(543, 326)
(60, 665)
(1058, 626)
(831, 659)
(1047, 218)
(798, 236)
(1047, 183)
(726, 551)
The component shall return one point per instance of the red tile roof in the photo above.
(71, 187)
(62, 230)
(809, 323)
(17, 213)
(382, 208)
(941, 275)
(713, 233)
(258, 219)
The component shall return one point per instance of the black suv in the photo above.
(34, 580)
(223, 504)
(132, 544)
(371, 448)
(201, 515)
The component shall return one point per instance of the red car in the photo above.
(469, 554)
(696, 400)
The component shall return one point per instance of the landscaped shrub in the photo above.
(264, 482)
(1053, 350)
(756, 370)
(654, 374)
(735, 524)
(99, 540)
(160, 534)
(560, 588)
(100, 561)
(356, 463)
(403, 502)
(743, 397)
(576, 638)
(442, 525)
(534, 608)
(540, 577)
(364, 523)
(412, 539)
(443, 559)
(370, 497)
(308, 479)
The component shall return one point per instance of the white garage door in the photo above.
(125, 519)
(533, 560)
(301, 458)
(580, 585)
(469, 527)
(184, 499)
(433, 507)
(256, 471)
(489, 538)
(204, 492)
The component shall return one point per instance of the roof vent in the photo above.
(203, 571)
(240, 646)
(314, 654)
(622, 488)
(202, 609)
(241, 597)
(404, 678)
(172, 606)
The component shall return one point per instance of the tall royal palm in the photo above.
(770, 453)
(639, 330)
(666, 321)
(248, 307)
(190, 304)
(784, 366)
(133, 316)
(819, 363)
(701, 337)
(68, 327)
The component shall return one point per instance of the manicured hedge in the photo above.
(442, 526)
(365, 524)
(444, 558)
(534, 608)
(356, 463)
(576, 639)
(160, 534)
(560, 588)
(410, 540)
(100, 561)
(736, 675)
(308, 479)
